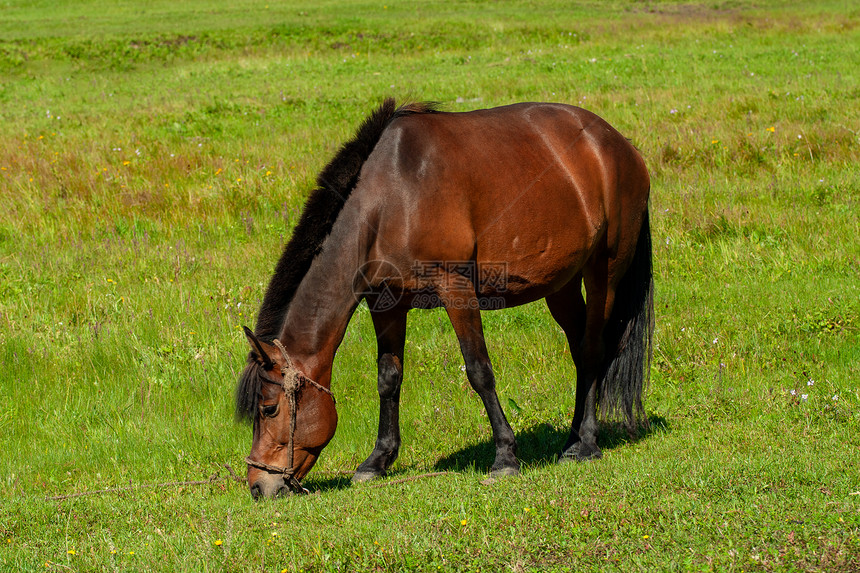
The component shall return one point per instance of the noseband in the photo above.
(291, 382)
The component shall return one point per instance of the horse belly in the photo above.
(526, 266)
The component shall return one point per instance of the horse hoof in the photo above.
(504, 472)
(580, 453)
(360, 477)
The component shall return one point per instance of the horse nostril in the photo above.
(256, 491)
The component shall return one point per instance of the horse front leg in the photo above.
(390, 329)
(463, 312)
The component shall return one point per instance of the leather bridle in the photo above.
(292, 381)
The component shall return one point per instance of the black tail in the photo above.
(628, 336)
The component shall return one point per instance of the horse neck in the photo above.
(323, 304)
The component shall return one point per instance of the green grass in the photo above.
(154, 157)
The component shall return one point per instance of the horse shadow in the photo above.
(538, 445)
(541, 444)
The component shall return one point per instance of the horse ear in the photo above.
(257, 348)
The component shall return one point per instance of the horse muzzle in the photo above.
(269, 486)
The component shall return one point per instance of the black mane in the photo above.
(334, 185)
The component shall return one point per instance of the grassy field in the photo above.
(155, 155)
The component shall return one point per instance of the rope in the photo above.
(214, 478)
(291, 385)
(298, 378)
(407, 479)
(291, 388)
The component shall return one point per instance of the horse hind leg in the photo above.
(390, 337)
(582, 325)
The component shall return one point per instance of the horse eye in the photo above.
(270, 411)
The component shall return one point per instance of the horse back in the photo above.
(535, 186)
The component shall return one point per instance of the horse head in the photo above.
(293, 418)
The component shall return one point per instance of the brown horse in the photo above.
(469, 211)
